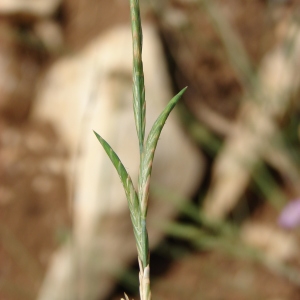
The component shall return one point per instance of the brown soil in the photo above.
(34, 214)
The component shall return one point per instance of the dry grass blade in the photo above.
(126, 297)
(139, 103)
(148, 155)
(237, 54)
(256, 125)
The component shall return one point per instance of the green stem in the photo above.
(139, 103)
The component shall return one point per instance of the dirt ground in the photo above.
(35, 216)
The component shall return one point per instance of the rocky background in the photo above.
(225, 215)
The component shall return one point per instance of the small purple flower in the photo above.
(290, 215)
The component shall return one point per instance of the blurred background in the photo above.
(236, 234)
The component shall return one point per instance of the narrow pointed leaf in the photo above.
(139, 103)
(148, 154)
(130, 192)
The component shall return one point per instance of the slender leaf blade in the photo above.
(131, 195)
(148, 154)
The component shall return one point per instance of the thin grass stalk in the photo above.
(139, 107)
(139, 103)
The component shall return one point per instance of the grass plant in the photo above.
(138, 197)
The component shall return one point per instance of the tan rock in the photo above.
(31, 8)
